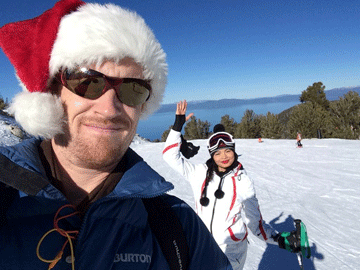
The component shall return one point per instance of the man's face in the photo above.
(98, 132)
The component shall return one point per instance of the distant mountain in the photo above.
(333, 94)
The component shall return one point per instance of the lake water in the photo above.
(154, 126)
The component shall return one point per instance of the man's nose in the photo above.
(108, 104)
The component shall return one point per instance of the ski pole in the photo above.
(300, 260)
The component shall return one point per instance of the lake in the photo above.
(153, 127)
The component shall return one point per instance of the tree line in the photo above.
(3, 103)
(314, 117)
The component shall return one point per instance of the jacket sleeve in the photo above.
(204, 251)
(173, 157)
(252, 215)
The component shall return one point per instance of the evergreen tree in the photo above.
(165, 134)
(311, 120)
(196, 129)
(229, 124)
(3, 104)
(345, 121)
(316, 95)
(271, 126)
(249, 127)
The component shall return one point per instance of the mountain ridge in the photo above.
(332, 94)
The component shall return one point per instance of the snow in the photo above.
(6, 137)
(318, 184)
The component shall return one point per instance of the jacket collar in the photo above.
(139, 180)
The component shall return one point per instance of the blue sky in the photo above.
(236, 49)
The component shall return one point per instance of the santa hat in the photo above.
(70, 34)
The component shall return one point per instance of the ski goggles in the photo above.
(91, 84)
(220, 140)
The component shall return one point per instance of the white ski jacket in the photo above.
(228, 218)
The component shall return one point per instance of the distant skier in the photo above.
(224, 195)
(298, 140)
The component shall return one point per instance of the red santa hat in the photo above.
(70, 34)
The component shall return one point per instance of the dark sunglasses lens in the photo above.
(132, 93)
(85, 84)
(91, 84)
(90, 88)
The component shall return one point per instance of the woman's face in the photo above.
(224, 158)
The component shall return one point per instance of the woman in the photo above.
(224, 195)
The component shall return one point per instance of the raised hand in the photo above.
(181, 107)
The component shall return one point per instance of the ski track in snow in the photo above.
(318, 184)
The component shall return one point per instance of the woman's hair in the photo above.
(212, 167)
(210, 171)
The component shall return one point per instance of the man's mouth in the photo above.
(104, 128)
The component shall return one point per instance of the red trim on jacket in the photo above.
(169, 147)
(234, 238)
(261, 227)
(234, 189)
(232, 235)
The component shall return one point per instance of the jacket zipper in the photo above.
(213, 212)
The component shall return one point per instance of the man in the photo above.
(74, 194)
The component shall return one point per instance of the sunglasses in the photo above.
(220, 137)
(91, 84)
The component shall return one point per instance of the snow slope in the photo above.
(318, 184)
(6, 137)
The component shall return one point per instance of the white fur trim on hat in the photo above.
(95, 33)
(40, 114)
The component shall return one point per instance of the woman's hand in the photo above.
(181, 107)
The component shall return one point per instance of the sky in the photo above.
(318, 184)
(236, 48)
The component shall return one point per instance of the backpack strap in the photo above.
(168, 231)
(20, 179)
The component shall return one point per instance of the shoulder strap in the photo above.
(169, 232)
(10, 184)
(20, 179)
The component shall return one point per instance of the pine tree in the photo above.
(165, 134)
(196, 129)
(271, 126)
(229, 124)
(316, 95)
(311, 120)
(345, 121)
(2, 103)
(249, 127)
